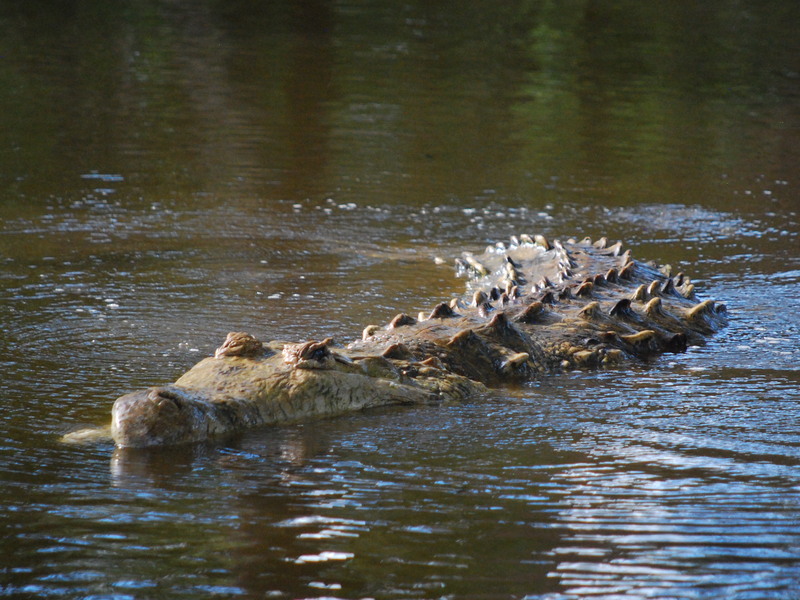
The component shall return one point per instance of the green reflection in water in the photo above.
(394, 101)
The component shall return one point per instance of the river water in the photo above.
(173, 170)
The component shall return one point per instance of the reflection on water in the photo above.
(172, 171)
(396, 102)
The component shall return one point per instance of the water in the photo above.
(172, 171)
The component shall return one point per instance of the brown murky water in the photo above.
(172, 171)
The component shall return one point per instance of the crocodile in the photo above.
(531, 308)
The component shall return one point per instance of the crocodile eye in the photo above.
(319, 354)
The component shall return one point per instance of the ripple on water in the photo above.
(673, 478)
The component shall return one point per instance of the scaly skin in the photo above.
(532, 308)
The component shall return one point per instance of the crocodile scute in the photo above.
(532, 308)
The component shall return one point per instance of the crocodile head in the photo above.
(248, 383)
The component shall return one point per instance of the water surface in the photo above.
(172, 171)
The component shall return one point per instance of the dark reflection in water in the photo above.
(172, 171)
